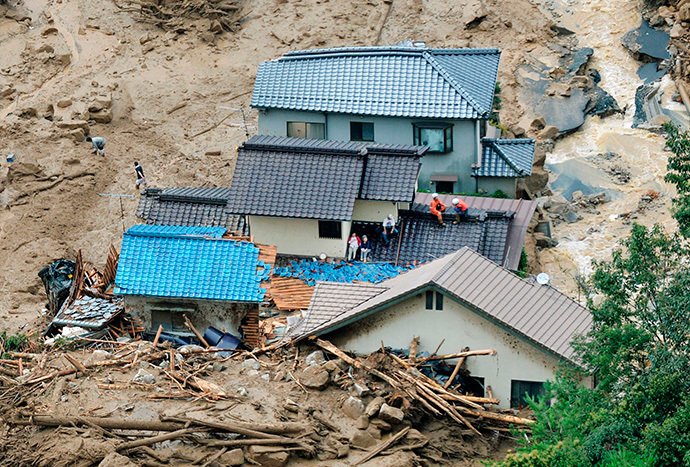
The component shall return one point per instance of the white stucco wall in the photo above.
(297, 236)
(396, 326)
(373, 211)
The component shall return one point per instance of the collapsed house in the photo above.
(407, 93)
(467, 300)
(303, 195)
(168, 272)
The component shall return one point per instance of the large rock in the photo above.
(646, 44)
(565, 113)
(315, 377)
(267, 456)
(234, 457)
(116, 460)
(374, 406)
(104, 116)
(391, 414)
(353, 407)
(315, 358)
(580, 59)
(550, 132)
(74, 124)
(362, 439)
(601, 103)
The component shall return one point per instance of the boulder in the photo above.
(145, 377)
(353, 407)
(104, 116)
(544, 241)
(580, 59)
(62, 103)
(391, 414)
(74, 124)
(374, 406)
(98, 355)
(267, 456)
(676, 31)
(362, 439)
(77, 135)
(116, 460)
(550, 132)
(7, 91)
(538, 124)
(684, 12)
(315, 377)
(250, 364)
(234, 457)
(601, 103)
(381, 424)
(315, 358)
(518, 131)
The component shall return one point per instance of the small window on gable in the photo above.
(438, 136)
(330, 229)
(439, 301)
(361, 131)
(520, 390)
(429, 300)
(307, 130)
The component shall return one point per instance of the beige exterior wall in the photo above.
(373, 211)
(297, 236)
(517, 359)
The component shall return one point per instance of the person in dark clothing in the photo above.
(364, 249)
(141, 179)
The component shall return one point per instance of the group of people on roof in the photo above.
(438, 208)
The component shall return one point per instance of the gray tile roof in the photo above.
(401, 81)
(536, 312)
(319, 179)
(517, 228)
(506, 158)
(188, 207)
(89, 312)
(423, 239)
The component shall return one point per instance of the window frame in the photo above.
(325, 225)
(446, 128)
(439, 301)
(517, 396)
(307, 129)
(361, 131)
(429, 299)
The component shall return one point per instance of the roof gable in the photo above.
(178, 262)
(401, 81)
(506, 158)
(538, 313)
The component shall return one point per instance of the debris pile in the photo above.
(174, 15)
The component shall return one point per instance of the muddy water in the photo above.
(582, 158)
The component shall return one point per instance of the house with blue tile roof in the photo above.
(166, 272)
(402, 94)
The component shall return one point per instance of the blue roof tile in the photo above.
(506, 158)
(188, 262)
(402, 81)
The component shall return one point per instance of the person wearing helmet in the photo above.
(437, 208)
(388, 228)
(460, 208)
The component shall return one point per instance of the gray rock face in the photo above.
(601, 103)
(250, 364)
(646, 44)
(145, 377)
(580, 59)
(374, 406)
(565, 113)
(315, 358)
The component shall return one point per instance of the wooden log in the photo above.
(108, 423)
(413, 349)
(196, 333)
(158, 335)
(478, 400)
(496, 416)
(253, 441)
(156, 439)
(384, 445)
(471, 353)
(265, 428)
(456, 369)
(76, 364)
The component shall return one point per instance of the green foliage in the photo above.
(678, 173)
(15, 343)
(560, 454)
(494, 118)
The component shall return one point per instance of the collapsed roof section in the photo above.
(405, 80)
(184, 262)
(320, 179)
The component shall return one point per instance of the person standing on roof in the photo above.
(352, 246)
(141, 180)
(388, 228)
(460, 208)
(365, 248)
(98, 145)
(437, 208)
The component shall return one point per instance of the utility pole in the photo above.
(122, 209)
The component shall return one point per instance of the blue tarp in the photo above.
(311, 271)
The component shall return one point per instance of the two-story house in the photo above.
(402, 94)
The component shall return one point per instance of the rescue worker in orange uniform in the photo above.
(460, 208)
(437, 208)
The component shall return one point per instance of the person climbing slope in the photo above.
(98, 145)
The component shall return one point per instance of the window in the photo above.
(439, 301)
(330, 229)
(438, 136)
(306, 130)
(444, 187)
(429, 300)
(519, 390)
(170, 320)
(360, 131)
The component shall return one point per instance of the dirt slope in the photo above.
(164, 88)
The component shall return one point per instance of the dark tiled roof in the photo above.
(423, 239)
(506, 158)
(401, 81)
(89, 312)
(188, 207)
(536, 312)
(319, 179)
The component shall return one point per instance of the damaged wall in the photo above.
(202, 313)
(517, 359)
(297, 236)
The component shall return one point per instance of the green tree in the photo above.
(678, 173)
